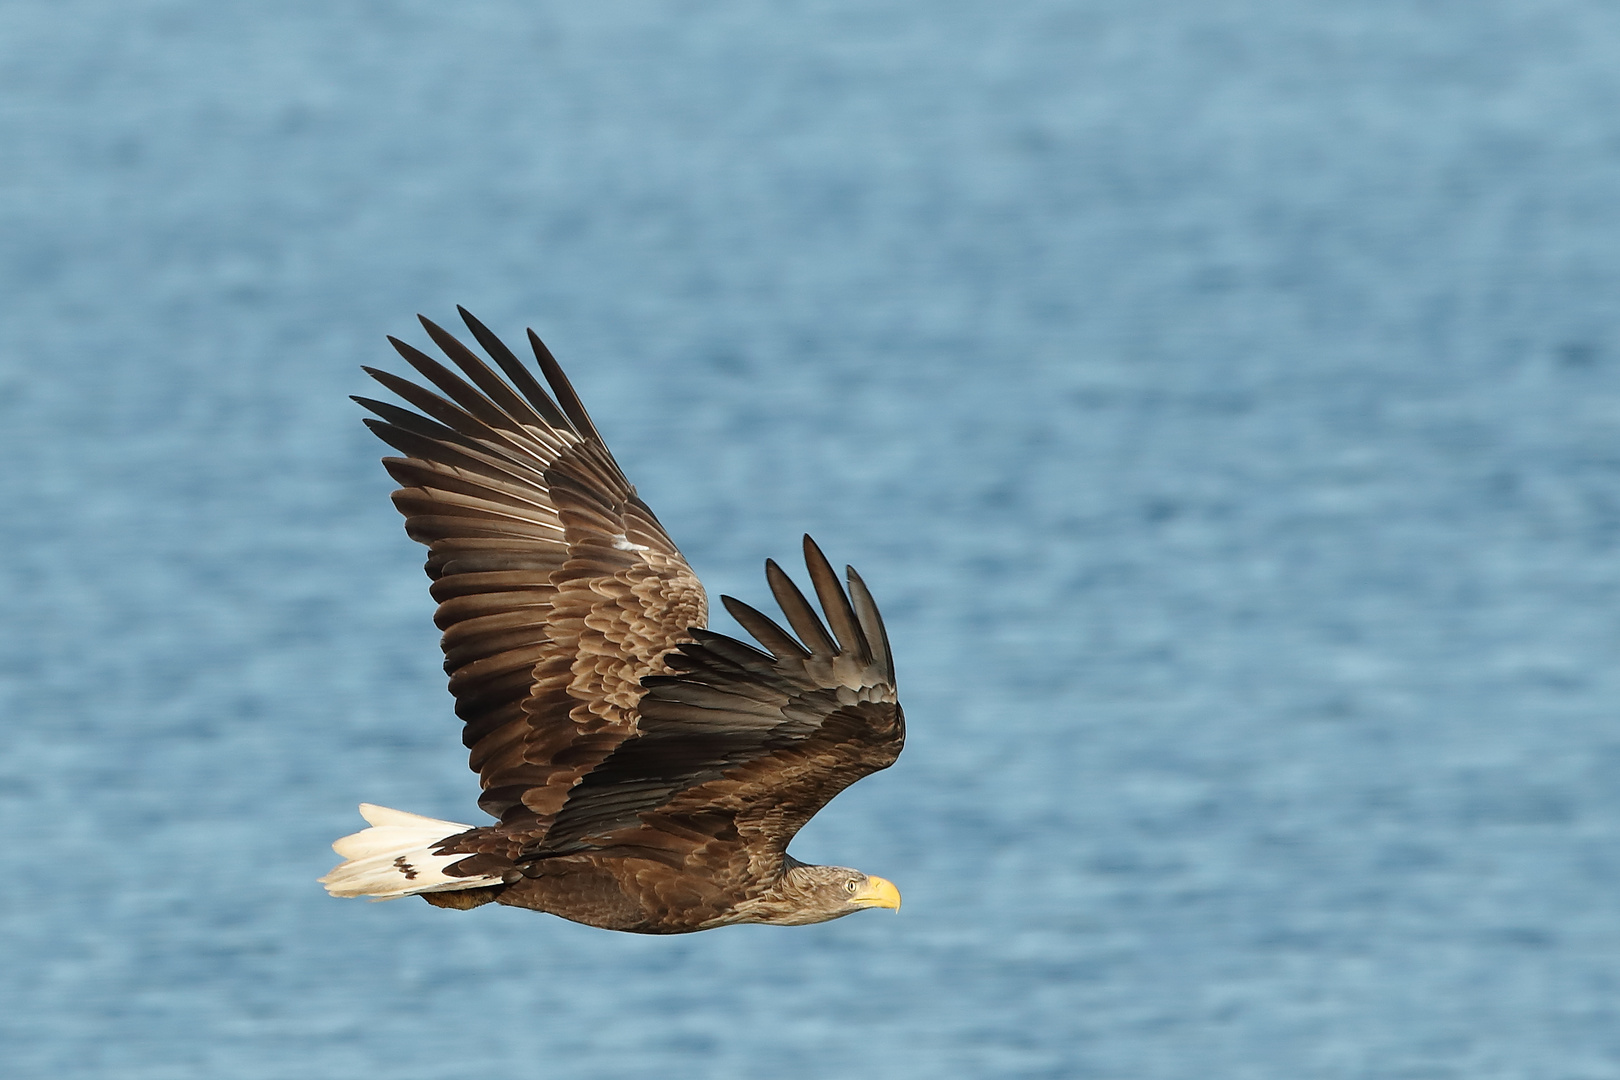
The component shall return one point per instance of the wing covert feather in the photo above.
(741, 747)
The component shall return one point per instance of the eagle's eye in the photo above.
(849, 887)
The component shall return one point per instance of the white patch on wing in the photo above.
(622, 542)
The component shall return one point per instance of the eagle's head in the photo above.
(811, 894)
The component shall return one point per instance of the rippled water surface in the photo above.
(1222, 399)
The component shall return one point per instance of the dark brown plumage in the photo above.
(646, 774)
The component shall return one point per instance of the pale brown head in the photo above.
(812, 894)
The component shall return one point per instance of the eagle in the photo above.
(645, 774)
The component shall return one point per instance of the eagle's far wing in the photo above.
(739, 748)
(558, 589)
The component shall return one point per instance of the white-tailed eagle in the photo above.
(646, 774)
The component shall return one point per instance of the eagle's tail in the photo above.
(395, 857)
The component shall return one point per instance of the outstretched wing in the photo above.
(740, 747)
(558, 589)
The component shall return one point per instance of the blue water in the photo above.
(1222, 399)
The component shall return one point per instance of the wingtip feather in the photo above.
(846, 627)
(800, 615)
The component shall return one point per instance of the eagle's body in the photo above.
(646, 774)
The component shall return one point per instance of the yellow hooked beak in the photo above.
(877, 892)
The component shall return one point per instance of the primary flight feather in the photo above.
(646, 774)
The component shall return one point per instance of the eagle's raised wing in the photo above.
(740, 748)
(558, 589)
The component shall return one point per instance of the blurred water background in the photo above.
(1222, 398)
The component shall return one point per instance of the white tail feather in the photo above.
(395, 857)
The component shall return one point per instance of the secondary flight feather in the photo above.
(645, 774)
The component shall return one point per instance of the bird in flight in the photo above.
(645, 774)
